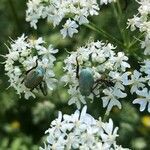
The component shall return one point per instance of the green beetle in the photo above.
(86, 80)
(34, 79)
(87, 83)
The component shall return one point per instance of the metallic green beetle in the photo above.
(87, 83)
(34, 79)
(86, 80)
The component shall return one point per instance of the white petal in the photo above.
(142, 103)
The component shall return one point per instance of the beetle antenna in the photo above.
(36, 63)
(77, 69)
(33, 67)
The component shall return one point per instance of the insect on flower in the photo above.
(86, 81)
(34, 79)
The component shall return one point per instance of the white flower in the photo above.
(107, 69)
(25, 54)
(34, 12)
(146, 44)
(146, 67)
(136, 81)
(69, 28)
(143, 100)
(134, 22)
(37, 43)
(80, 131)
(81, 17)
(76, 97)
(121, 79)
(111, 98)
(120, 61)
(142, 22)
(57, 10)
(91, 6)
(29, 62)
(140, 84)
(54, 14)
(19, 44)
(110, 134)
(13, 55)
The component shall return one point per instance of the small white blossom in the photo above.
(111, 98)
(136, 81)
(24, 54)
(143, 100)
(109, 135)
(81, 131)
(19, 44)
(69, 28)
(76, 97)
(120, 61)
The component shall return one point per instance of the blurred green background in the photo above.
(23, 122)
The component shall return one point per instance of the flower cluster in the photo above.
(76, 12)
(140, 80)
(24, 54)
(140, 85)
(81, 131)
(142, 22)
(107, 68)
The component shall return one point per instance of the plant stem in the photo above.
(119, 8)
(136, 40)
(14, 14)
(117, 16)
(103, 33)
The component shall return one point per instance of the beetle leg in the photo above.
(31, 89)
(103, 82)
(77, 69)
(22, 81)
(77, 87)
(43, 88)
(95, 86)
(98, 81)
(109, 83)
(90, 58)
(95, 94)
